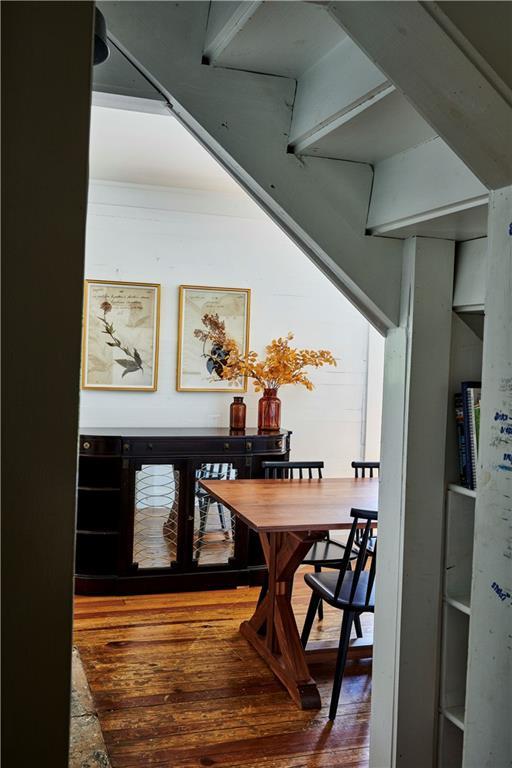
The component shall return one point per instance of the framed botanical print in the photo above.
(120, 336)
(210, 320)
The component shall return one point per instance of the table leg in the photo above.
(272, 631)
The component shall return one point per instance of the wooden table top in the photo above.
(295, 505)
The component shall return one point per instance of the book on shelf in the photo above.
(467, 418)
(459, 422)
(474, 394)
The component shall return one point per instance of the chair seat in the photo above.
(326, 552)
(325, 584)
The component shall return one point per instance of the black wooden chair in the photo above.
(325, 553)
(362, 469)
(204, 500)
(352, 591)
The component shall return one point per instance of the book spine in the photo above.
(474, 395)
(459, 422)
(472, 436)
(467, 439)
(465, 387)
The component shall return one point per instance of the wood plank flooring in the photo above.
(176, 686)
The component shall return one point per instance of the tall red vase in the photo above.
(269, 411)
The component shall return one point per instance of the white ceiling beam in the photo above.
(225, 21)
(243, 119)
(419, 184)
(334, 90)
(439, 78)
(338, 120)
(129, 103)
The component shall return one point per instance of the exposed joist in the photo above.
(440, 80)
(340, 85)
(225, 21)
(337, 121)
(423, 182)
(244, 120)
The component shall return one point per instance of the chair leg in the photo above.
(318, 569)
(221, 516)
(310, 617)
(346, 626)
(357, 625)
(203, 516)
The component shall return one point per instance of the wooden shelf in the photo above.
(460, 602)
(455, 715)
(462, 490)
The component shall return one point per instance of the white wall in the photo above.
(178, 236)
(374, 392)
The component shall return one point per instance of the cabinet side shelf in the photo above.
(98, 488)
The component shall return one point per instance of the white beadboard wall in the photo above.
(177, 236)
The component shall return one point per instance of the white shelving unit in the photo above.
(460, 514)
(460, 518)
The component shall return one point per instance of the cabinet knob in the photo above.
(248, 445)
(86, 444)
(126, 446)
(279, 443)
(226, 446)
(150, 446)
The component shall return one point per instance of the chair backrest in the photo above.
(216, 472)
(362, 467)
(368, 518)
(284, 470)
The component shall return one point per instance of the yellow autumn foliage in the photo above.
(283, 364)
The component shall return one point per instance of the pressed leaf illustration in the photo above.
(134, 361)
(215, 335)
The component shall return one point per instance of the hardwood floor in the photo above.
(176, 686)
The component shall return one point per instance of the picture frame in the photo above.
(197, 368)
(121, 324)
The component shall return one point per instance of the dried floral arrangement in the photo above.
(220, 345)
(283, 364)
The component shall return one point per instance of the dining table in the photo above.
(289, 515)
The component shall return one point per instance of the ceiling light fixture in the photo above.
(101, 50)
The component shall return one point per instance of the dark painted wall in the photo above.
(46, 81)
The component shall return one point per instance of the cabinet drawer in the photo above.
(269, 444)
(233, 445)
(144, 448)
(99, 446)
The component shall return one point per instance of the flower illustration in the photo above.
(134, 361)
(221, 344)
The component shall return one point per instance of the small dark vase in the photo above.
(237, 413)
(269, 411)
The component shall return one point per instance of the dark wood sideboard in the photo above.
(144, 525)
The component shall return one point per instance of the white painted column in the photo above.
(411, 512)
(488, 722)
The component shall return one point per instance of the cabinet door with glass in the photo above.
(155, 533)
(175, 524)
(218, 538)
